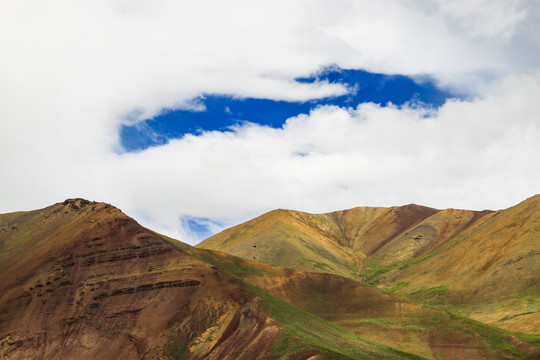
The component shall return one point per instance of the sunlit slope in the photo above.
(291, 239)
(341, 241)
(484, 264)
(490, 271)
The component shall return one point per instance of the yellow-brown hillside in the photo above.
(483, 264)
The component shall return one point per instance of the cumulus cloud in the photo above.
(72, 72)
(476, 155)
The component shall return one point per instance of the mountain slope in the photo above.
(337, 242)
(353, 307)
(490, 271)
(291, 239)
(485, 265)
(81, 280)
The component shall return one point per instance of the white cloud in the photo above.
(470, 154)
(72, 72)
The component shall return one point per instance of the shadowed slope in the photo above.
(368, 229)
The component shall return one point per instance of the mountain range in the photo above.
(484, 265)
(82, 280)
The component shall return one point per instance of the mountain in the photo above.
(480, 264)
(337, 243)
(81, 280)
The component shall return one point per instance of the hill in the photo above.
(81, 280)
(484, 265)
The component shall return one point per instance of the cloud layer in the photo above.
(469, 154)
(71, 73)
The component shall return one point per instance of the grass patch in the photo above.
(397, 287)
(496, 338)
(287, 345)
(235, 265)
(318, 265)
(408, 324)
(529, 338)
(178, 349)
(373, 273)
(433, 291)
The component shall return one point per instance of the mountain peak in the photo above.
(80, 203)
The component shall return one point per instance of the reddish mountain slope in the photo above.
(96, 285)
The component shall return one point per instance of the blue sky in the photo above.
(221, 112)
(100, 111)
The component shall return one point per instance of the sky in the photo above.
(222, 112)
(195, 116)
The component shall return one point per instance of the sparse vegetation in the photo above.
(436, 290)
(318, 265)
(500, 339)
(372, 275)
(311, 333)
(397, 287)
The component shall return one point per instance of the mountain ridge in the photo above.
(401, 249)
(82, 280)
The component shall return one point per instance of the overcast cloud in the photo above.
(72, 72)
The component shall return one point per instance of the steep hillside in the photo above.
(81, 280)
(485, 265)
